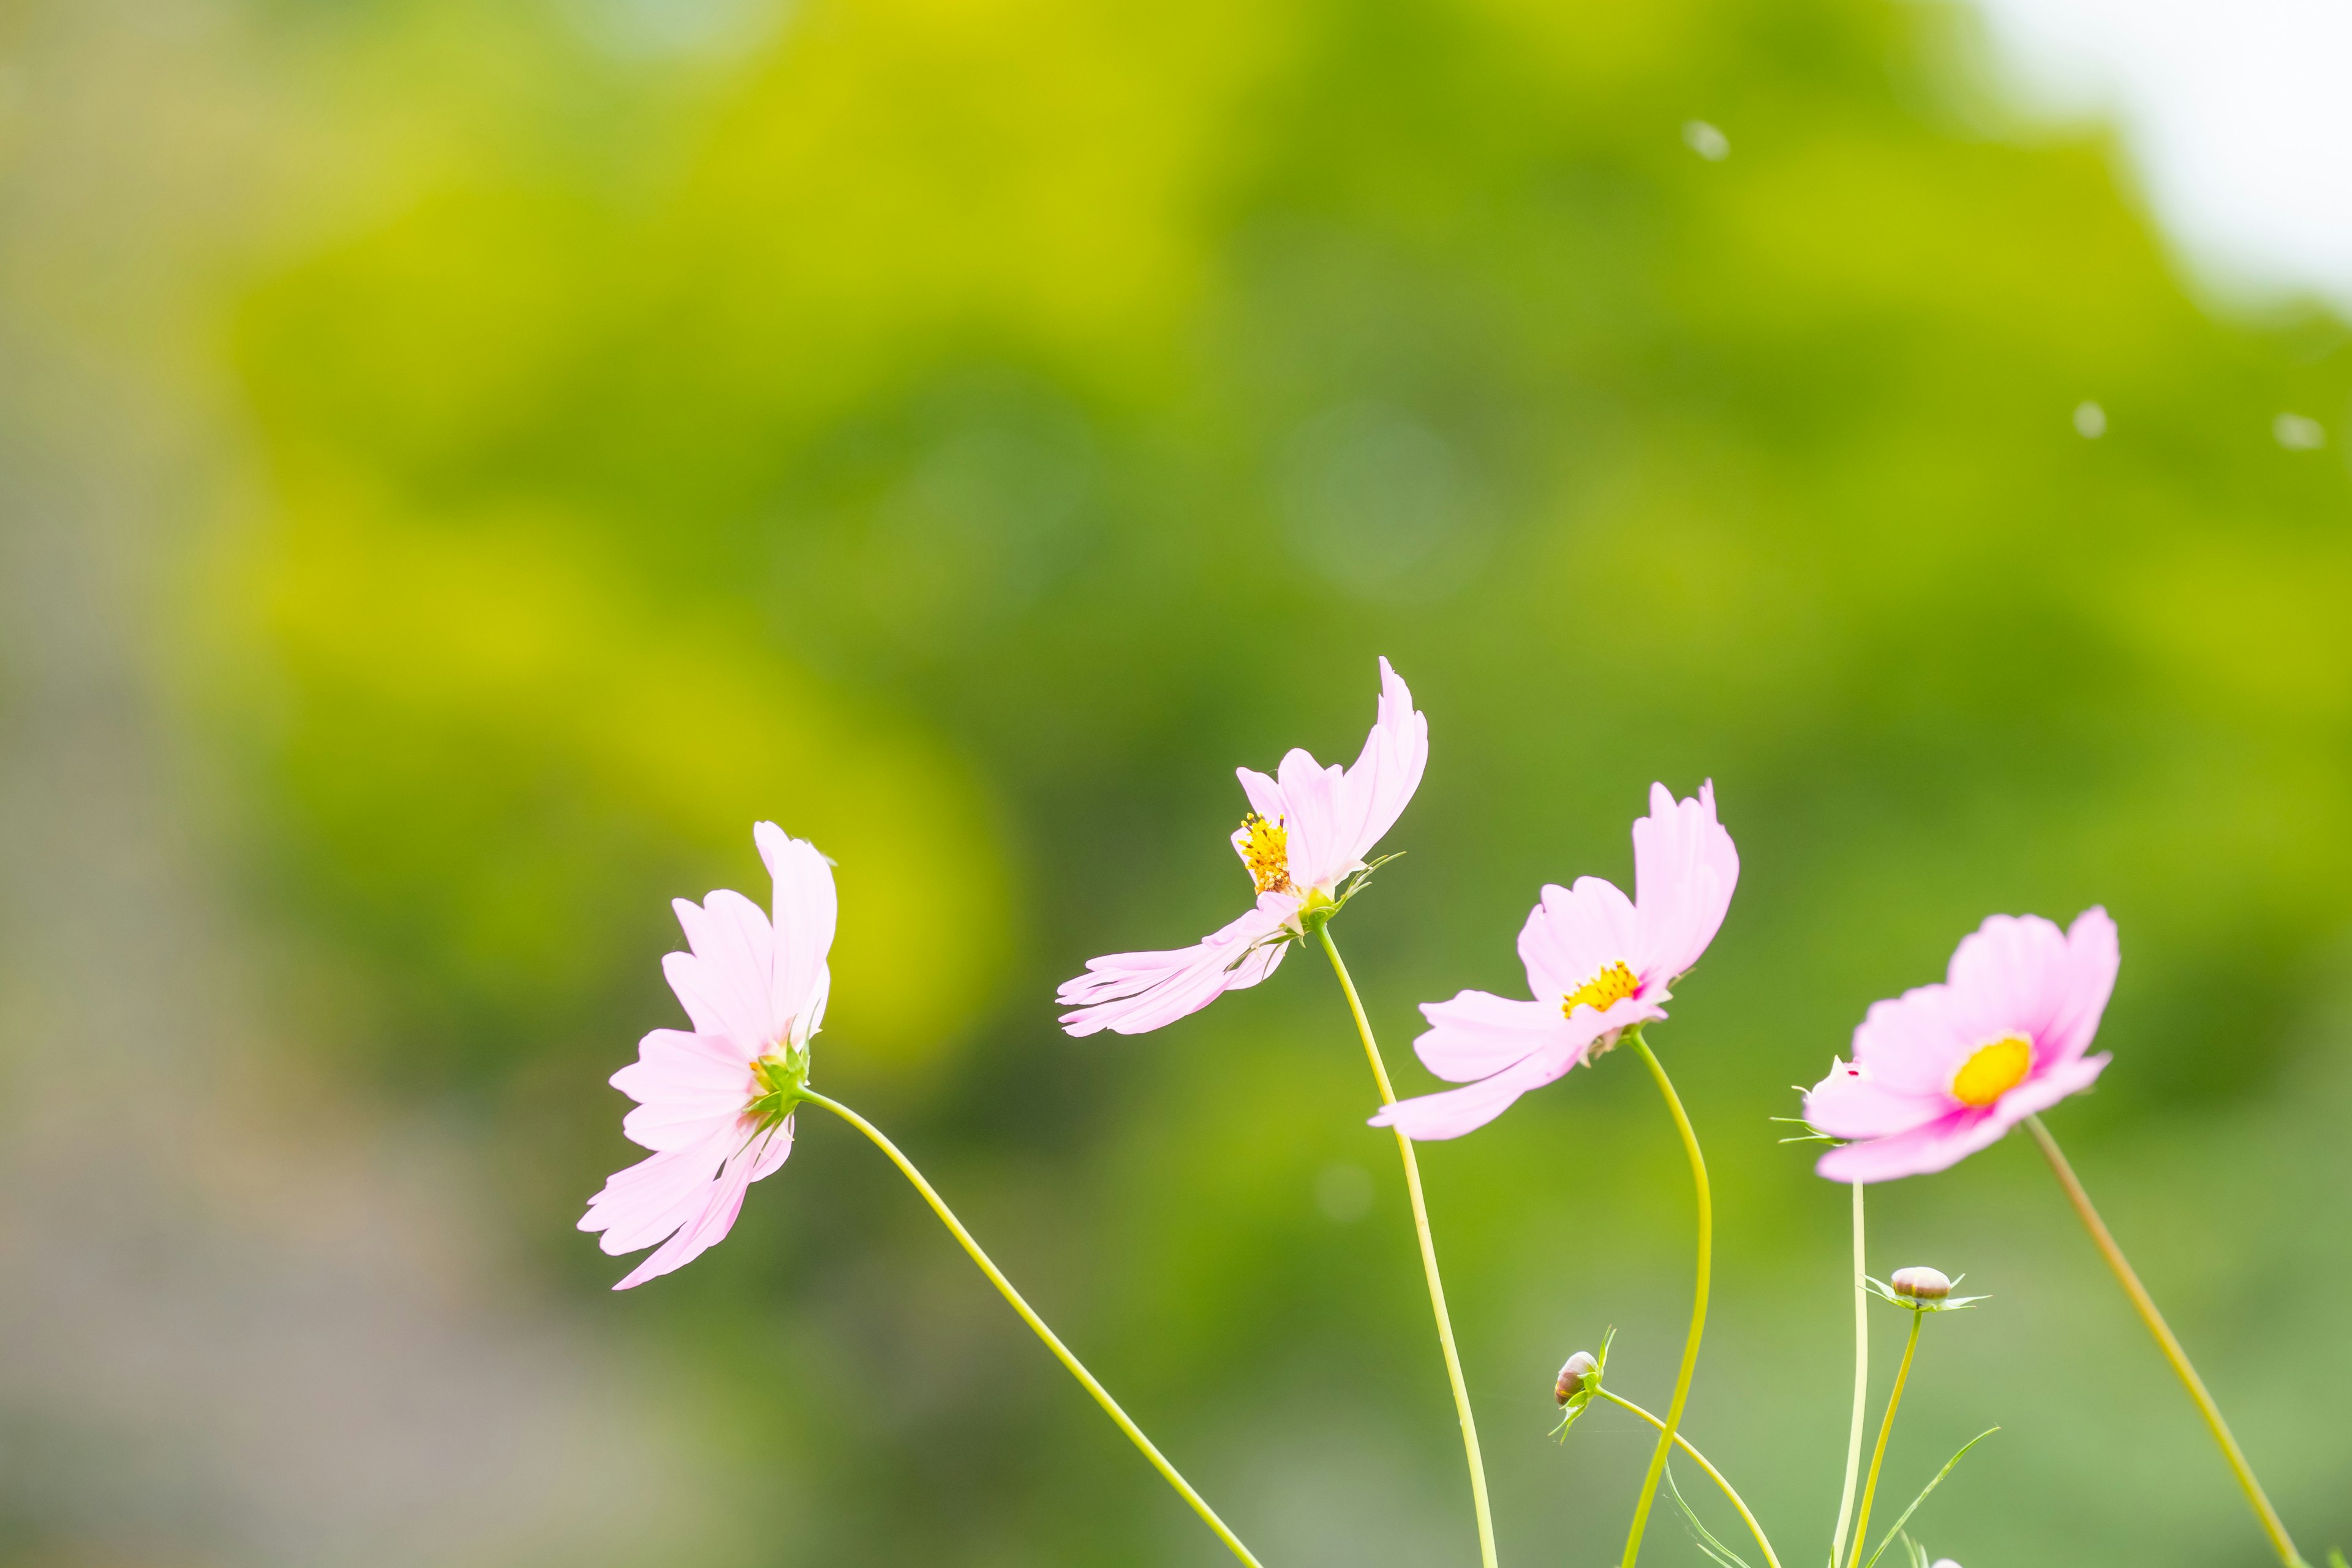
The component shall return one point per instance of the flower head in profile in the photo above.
(1305, 835)
(1598, 962)
(715, 1102)
(1941, 1072)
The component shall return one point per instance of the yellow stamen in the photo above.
(1604, 990)
(1993, 1070)
(1266, 850)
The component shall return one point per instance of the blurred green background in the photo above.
(464, 461)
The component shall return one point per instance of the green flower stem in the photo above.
(2272, 1525)
(1683, 1443)
(1698, 1306)
(1061, 1352)
(1860, 1384)
(1878, 1455)
(1428, 1260)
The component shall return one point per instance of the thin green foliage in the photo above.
(1896, 1528)
(1724, 1556)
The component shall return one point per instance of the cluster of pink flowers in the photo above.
(1936, 1073)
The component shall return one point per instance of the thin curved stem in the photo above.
(1698, 1304)
(1061, 1352)
(1878, 1455)
(1683, 1443)
(1860, 1384)
(1428, 1261)
(2273, 1526)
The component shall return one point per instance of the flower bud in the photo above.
(1575, 1377)
(1920, 1284)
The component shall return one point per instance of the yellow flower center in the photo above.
(1604, 991)
(1993, 1070)
(1266, 850)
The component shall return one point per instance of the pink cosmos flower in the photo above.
(1943, 1070)
(715, 1104)
(1597, 963)
(1308, 830)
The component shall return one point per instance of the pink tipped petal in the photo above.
(1134, 992)
(1478, 1034)
(1684, 868)
(1452, 1112)
(2094, 953)
(1265, 795)
(2045, 1089)
(722, 1201)
(1851, 1103)
(710, 1208)
(726, 982)
(1914, 1043)
(1318, 854)
(805, 913)
(673, 1065)
(639, 1205)
(2011, 976)
(1575, 933)
(1388, 771)
(1935, 1146)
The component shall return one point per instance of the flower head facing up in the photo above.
(1307, 832)
(715, 1103)
(1942, 1071)
(1598, 962)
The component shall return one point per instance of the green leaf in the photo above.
(1724, 1556)
(1897, 1526)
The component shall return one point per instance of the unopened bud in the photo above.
(1575, 1377)
(1921, 1284)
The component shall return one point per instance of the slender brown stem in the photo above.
(1698, 1305)
(1428, 1263)
(2273, 1526)
(1878, 1455)
(1683, 1443)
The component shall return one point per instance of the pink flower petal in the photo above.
(645, 1202)
(1318, 856)
(1914, 1043)
(697, 1205)
(1401, 736)
(805, 914)
(1265, 795)
(1478, 1034)
(1935, 1146)
(1134, 992)
(726, 982)
(2012, 975)
(1452, 1112)
(2047, 1088)
(1851, 1103)
(2094, 953)
(672, 1064)
(1375, 791)
(1575, 933)
(722, 1202)
(1684, 868)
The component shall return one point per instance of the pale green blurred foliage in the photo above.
(963, 433)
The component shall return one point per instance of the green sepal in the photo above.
(1885, 1293)
(783, 1076)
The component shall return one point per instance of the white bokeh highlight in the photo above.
(2237, 115)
